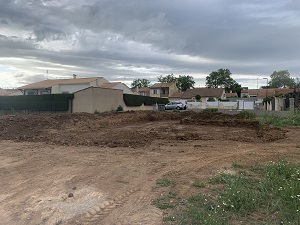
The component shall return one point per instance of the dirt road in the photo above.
(102, 169)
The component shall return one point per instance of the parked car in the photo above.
(175, 105)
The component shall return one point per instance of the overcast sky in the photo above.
(126, 39)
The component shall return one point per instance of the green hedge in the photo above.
(53, 102)
(138, 100)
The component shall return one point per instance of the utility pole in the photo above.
(266, 92)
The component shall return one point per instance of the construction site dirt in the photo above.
(103, 168)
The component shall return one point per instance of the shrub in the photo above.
(198, 98)
(210, 99)
(120, 108)
(248, 114)
(138, 100)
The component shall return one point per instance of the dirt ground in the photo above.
(102, 168)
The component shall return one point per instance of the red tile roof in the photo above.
(176, 95)
(50, 83)
(203, 92)
(229, 95)
(110, 85)
(144, 89)
(262, 93)
(162, 85)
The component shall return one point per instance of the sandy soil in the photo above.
(102, 169)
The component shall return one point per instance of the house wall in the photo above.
(172, 89)
(98, 82)
(126, 90)
(138, 108)
(97, 99)
(155, 95)
(68, 88)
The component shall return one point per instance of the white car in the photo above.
(175, 105)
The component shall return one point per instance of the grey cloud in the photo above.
(143, 38)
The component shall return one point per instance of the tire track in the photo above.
(99, 212)
(141, 211)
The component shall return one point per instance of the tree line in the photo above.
(222, 79)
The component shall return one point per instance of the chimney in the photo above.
(74, 76)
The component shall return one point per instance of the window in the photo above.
(154, 91)
(30, 92)
(44, 92)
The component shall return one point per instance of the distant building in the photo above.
(262, 93)
(204, 93)
(144, 91)
(61, 86)
(163, 90)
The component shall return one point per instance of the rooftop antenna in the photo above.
(47, 75)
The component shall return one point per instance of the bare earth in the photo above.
(102, 169)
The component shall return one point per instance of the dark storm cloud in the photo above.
(138, 38)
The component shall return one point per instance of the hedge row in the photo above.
(52, 103)
(138, 100)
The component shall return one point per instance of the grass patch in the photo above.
(210, 110)
(248, 114)
(166, 201)
(198, 184)
(277, 121)
(163, 182)
(270, 195)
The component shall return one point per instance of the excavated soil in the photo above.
(102, 168)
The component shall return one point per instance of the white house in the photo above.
(59, 86)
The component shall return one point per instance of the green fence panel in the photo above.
(51, 102)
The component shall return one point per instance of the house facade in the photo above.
(63, 86)
(163, 90)
(205, 94)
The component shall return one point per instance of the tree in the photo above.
(140, 83)
(222, 79)
(183, 82)
(167, 79)
(281, 79)
(198, 98)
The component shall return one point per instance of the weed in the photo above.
(248, 114)
(271, 195)
(220, 179)
(277, 121)
(120, 108)
(165, 183)
(237, 165)
(198, 184)
(242, 172)
(167, 201)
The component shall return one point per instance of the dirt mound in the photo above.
(132, 129)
